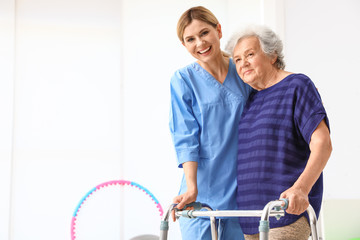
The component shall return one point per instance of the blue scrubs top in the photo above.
(204, 118)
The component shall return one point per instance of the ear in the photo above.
(273, 59)
(218, 29)
(182, 42)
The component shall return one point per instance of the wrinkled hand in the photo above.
(298, 200)
(182, 200)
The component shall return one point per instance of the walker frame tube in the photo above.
(272, 209)
(264, 222)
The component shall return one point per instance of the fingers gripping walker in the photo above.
(272, 209)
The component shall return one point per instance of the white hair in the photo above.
(270, 43)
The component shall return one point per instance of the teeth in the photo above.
(204, 51)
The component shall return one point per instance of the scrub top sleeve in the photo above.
(183, 125)
(309, 109)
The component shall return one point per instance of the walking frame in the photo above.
(272, 209)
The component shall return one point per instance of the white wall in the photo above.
(84, 99)
(66, 108)
(6, 107)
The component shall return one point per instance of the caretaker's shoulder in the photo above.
(184, 73)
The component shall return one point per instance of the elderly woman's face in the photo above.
(252, 64)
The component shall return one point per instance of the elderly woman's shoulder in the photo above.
(300, 81)
(299, 78)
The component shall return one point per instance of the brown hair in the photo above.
(199, 13)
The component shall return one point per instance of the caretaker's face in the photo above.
(202, 40)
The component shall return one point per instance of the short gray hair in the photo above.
(270, 43)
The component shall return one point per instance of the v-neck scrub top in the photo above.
(204, 117)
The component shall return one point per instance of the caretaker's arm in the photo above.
(190, 171)
(320, 147)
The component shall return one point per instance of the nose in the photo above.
(244, 63)
(200, 42)
(241, 65)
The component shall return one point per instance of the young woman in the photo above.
(207, 99)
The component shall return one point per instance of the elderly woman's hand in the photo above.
(298, 200)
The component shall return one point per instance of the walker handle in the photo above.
(286, 201)
(195, 205)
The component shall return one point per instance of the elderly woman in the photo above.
(284, 140)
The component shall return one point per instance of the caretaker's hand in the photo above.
(184, 199)
(190, 171)
(298, 200)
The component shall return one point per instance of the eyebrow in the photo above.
(202, 30)
(245, 52)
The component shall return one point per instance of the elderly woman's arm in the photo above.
(320, 147)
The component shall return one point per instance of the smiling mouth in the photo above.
(205, 50)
